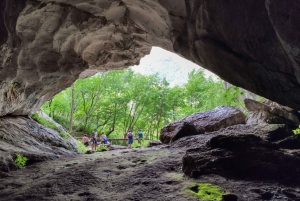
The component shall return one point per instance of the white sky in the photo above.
(169, 65)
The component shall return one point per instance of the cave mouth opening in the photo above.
(163, 88)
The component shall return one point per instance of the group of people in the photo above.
(104, 139)
(94, 139)
(130, 137)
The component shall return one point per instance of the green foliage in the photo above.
(62, 120)
(20, 161)
(45, 122)
(65, 135)
(132, 101)
(207, 192)
(102, 147)
(81, 147)
(297, 131)
(144, 143)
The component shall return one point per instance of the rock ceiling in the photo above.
(46, 45)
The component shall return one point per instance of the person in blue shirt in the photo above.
(103, 138)
(130, 137)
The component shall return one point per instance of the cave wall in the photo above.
(46, 45)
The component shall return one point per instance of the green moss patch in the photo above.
(44, 122)
(207, 192)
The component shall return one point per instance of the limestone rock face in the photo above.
(199, 123)
(271, 113)
(46, 45)
(252, 44)
(32, 140)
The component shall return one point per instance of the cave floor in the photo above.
(123, 175)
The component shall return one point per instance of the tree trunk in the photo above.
(72, 109)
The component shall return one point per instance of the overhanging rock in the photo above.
(46, 45)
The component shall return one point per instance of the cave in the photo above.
(46, 45)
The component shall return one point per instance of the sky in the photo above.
(169, 65)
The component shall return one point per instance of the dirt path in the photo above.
(133, 174)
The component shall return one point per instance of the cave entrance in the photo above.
(162, 89)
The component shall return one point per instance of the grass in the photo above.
(81, 147)
(207, 192)
(45, 122)
(137, 144)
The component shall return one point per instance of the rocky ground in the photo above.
(251, 158)
(130, 174)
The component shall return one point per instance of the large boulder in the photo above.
(275, 133)
(242, 157)
(202, 122)
(271, 113)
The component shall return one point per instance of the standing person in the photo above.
(95, 136)
(140, 136)
(85, 140)
(130, 137)
(103, 138)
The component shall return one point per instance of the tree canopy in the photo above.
(117, 101)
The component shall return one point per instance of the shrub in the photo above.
(81, 147)
(61, 120)
(207, 192)
(102, 147)
(136, 143)
(20, 161)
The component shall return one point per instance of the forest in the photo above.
(116, 101)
